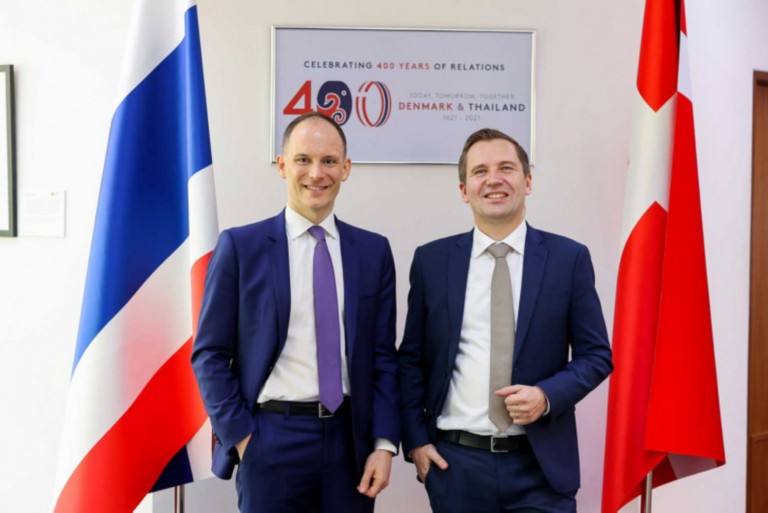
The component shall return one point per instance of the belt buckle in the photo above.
(323, 412)
(494, 438)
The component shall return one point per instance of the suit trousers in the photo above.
(300, 464)
(480, 481)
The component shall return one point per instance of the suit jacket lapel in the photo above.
(350, 257)
(458, 270)
(281, 275)
(534, 262)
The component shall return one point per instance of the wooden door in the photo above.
(757, 423)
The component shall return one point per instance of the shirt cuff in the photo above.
(383, 443)
(546, 411)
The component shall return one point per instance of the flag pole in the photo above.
(645, 504)
(178, 499)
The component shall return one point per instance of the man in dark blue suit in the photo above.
(504, 335)
(297, 363)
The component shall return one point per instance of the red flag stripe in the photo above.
(683, 23)
(170, 398)
(657, 72)
(634, 334)
(685, 329)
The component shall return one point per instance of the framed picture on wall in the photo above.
(7, 154)
(409, 96)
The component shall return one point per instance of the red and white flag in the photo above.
(663, 405)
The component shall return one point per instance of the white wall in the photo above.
(68, 56)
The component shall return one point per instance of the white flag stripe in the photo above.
(684, 465)
(157, 28)
(683, 75)
(137, 342)
(203, 218)
(199, 452)
(650, 159)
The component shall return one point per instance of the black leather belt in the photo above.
(500, 443)
(309, 409)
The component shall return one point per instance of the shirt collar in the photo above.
(516, 240)
(297, 225)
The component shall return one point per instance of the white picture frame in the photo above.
(408, 96)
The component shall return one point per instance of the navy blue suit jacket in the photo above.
(244, 322)
(559, 312)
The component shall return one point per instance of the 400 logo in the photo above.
(372, 103)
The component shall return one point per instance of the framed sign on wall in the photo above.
(407, 96)
(7, 154)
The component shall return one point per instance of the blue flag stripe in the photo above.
(159, 138)
(176, 473)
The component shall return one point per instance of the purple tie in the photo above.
(326, 324)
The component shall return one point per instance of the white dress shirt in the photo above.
(294, 377)
(466, 405)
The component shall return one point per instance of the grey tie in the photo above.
(502, 335)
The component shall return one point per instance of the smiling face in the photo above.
(495, 187)
(313, 164)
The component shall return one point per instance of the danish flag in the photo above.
(663, 405)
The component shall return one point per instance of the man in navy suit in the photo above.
(257, 354)
(512, 447)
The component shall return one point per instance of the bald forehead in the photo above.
(315, 128)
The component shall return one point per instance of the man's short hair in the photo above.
(490, 134)
(309, 115)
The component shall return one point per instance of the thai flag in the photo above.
(135, 421)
